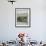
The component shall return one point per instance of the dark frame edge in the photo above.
(29, 18)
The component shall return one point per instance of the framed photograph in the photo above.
(22, 17)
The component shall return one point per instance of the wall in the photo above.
(8, 31)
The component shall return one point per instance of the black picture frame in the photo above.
(21, 13)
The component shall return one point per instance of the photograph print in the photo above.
(22, 17)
